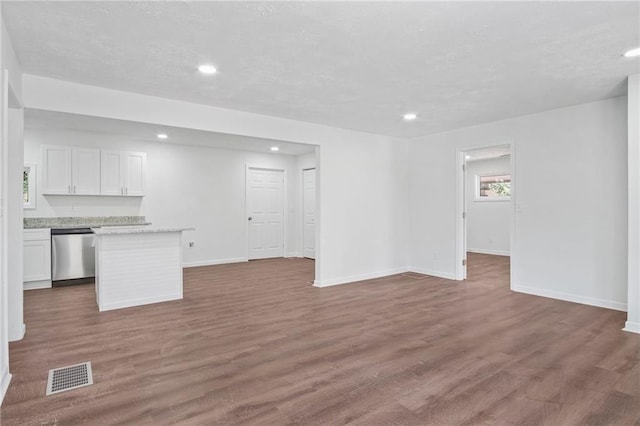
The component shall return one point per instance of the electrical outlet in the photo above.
(191, 244)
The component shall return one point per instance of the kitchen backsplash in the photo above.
(86, 221)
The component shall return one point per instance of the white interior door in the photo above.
(265, 213)
(465, 188)
(309, 213)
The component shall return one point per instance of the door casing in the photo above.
(304, 213)
(461, 222)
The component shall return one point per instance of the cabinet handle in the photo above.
(74, 189)
(126, 191)
(69, 189)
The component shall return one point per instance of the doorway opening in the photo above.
(282, 206)
(485, 207)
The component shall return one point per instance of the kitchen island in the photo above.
(137, 265)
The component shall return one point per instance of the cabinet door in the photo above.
(37, 260)
(134, 173)
(111, 182)
(56, 169)
(85, 171)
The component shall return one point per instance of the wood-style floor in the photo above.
(254, 343)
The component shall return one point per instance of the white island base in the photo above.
(137, 266)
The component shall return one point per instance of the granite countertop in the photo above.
(83, 222)
(118, 230)
(100, 225)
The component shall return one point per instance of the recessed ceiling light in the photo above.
(162, 136)
(275, 148)
(207, 69)
(467, 156)
(410, 116)
(632, 53)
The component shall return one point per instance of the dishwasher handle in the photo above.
(71, 231)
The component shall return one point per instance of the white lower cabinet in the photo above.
(37, 258)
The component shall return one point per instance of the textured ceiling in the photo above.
(131, 130)
(354, 65)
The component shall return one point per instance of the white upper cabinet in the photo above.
(134, 172)
(70, 171)
(85, 171)
(111, 182)
(56, 169)
(123, 173)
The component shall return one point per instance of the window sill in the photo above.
(493, 199)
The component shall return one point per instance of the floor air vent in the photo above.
(67, 378)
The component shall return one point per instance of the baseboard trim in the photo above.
(432, 273)
(601, 303)
(294, 254)
(360, 277)
(214, 262)
(632, 327)
(19, 334)
(487, 251)
(36, 285)
(139, 302)
(4, 384)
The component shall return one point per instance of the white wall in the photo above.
(12, 204)
(364, 200)
(11, 321)
(488, 222)
(570, 196)
(14, 222)
(633, 286)
(362, 178)
(5, 377)
(186, 185)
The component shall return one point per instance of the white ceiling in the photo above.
(353, 65)
(131, 130)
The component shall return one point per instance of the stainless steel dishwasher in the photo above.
(72, 256)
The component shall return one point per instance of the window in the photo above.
(493, 187)
(29, 186)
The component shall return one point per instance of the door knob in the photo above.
(249, 218)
